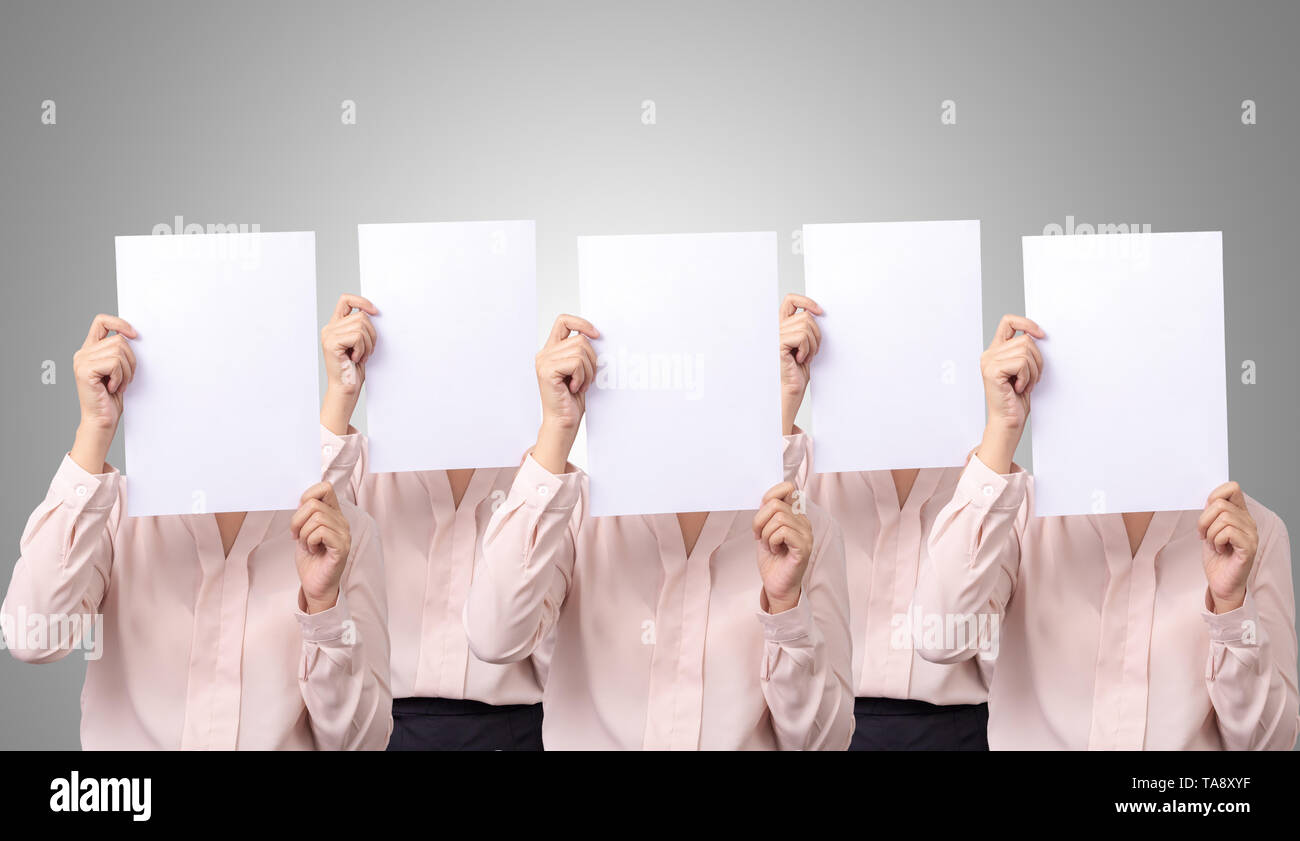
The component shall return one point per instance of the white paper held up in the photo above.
(895, 383)
(223, 413)
(451, 382)
(1131, 412)
(685, 412)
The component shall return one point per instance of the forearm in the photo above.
(343, 677)
(1251, 663)
(90, 447)
(973, 558)
(997, 448)
(336, 409)
(66, 559)
(554, 442)
(1254, 702)
(807, 656)
(810, 700)
(528, 556)
(789, 411)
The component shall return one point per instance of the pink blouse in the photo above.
(884, 549)
(1103, 648)
(656, 648)
(430, 547)
(193, 648)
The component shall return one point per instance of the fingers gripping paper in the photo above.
(684, 414)
(223, 413)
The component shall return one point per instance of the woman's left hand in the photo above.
(1230, 540)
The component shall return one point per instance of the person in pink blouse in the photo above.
(708, 630)
(1167, 631)
(259, 630)
(431, 524)
(904, 702)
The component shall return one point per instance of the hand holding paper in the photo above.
(103, 367)
(800, 338)
(566, 369)
(346, 342)
(1011, 367)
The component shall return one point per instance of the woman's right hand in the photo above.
(347, 341)
(566, 368)
(1011, 367)
(103, 368)
(800, 339)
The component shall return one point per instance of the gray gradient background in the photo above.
(769, 115)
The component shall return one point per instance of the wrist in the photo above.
(780, 602)
(554, 441)
(321, 602)
(90, 447)
(997, 448)
(792, 394)
(336, 409)
(1225, 604)
(789, 411)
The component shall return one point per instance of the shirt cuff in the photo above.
(981, 487)
(1236, 627)
(794, 454)
(790, 625)
(80, 490)
(328, 625)
(540, 488)
(339, 452)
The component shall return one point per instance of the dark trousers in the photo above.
(445, 724)
(893, 724)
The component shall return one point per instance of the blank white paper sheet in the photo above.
(451, 383)
(685, 413)
(895, 383)
(224, 412)
(1131, 412)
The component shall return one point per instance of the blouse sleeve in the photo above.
(65, 564)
